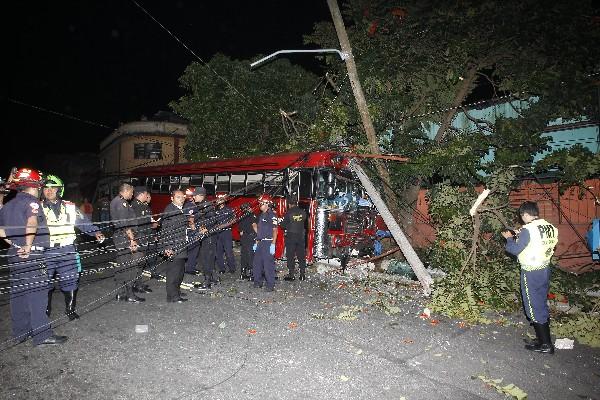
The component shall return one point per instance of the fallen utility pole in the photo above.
(408, 251)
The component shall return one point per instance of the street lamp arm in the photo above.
(342, 55)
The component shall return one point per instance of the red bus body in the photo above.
(306, 175)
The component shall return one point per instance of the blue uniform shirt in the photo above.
(266, 222)
(14, 215)
(515, 246)
(225, 215)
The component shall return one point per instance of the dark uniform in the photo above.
(173, 237)
(264, 261)
(225, 216)
(29, 282)
(247, 240)
(191, 209)
(123, 214)
(294, 222)
(206, 217)
(144, 234)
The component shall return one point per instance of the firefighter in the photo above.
(144, 232)
(123, 217)
(23, 226)
(174, 244)
(534, 246)
(191, 208)
(226, 218)
(63, 217)
(247, 227)
(264, 246)
(3, 191)
(295, 244)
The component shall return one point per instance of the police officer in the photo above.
(205, 222)
(174, 244)
(264, 247)
(23, 227)
(294, 222)
(123, 217)
(144, 232)
(247, 228)
(534, 247)
(63, 217)
(191, 208)
(226, 218)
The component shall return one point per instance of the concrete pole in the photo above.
(361, 103)
(407, 249)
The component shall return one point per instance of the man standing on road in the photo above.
(205, 221)
(295, 243)
(144, 233)
(174, 244)
(123, 217)
(23, 227)
(191, 209)
(247, 227)
(226, 218)
(534, 247)
(266, 236)
(63, 217)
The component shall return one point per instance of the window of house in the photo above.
(147, 151)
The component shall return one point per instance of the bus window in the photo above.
(185, 181)
(294, 184)
(164, 184)
(209, 184)
(135, 182)
(155, 188)
(254, 184)
(274, 183)
(173, 183)
(325, 182)
(195, 180)
(306, 186)
(238, 183)
(223, 183)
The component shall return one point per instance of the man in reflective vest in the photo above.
(534, 246)
(63, 260)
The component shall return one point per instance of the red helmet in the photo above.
(189, 192)
(265, 198)
(25, 177)
(221, 195)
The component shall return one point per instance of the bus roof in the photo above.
(256, 163)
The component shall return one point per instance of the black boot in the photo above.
(302, 276)
(49, 305)
(544, 341)
(70, 303)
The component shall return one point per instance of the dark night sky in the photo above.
(108, 62)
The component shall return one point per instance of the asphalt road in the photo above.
(242, 343)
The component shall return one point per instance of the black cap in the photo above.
(199, 191)
(140, 189)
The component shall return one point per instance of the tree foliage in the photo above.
(235, 111)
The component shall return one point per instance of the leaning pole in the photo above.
(405, 246)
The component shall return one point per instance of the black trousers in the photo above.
(174, 270)
(247, 255)
(208, 256)
(126, 271)
(295, 248)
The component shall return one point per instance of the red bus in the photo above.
(320, 181)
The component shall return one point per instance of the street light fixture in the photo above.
(342, 55)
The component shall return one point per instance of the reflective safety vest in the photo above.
(62, 228)
(543, 237)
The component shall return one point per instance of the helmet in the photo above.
(55, 181)
(25, 177)
(265, 198)
(189, 192)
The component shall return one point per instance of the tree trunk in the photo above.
(361, 103)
